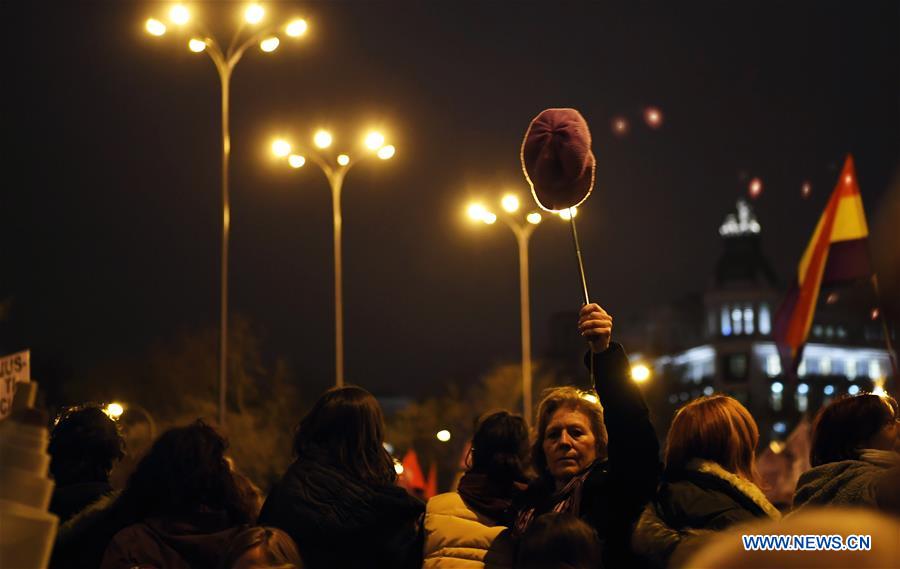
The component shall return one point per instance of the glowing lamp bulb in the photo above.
(386, 152)
(269, 44)
(620, 126)
(805, 189)
(374, 140)
(640, 373)
(296, 28)
(155, 27)
(114, 410)
(343, 159)
(756, 187)
(568, 214)
(179, 15)
(196, 45)
(254, 14)
(476, 211)
(443, 435)
(281, 148)
(322, 139)
(533, 218)
(296, 161)
(510, 203)
(653, 117)
(489, 218)
(398, 468)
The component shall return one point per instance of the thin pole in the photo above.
(336, 180)
(892, 356)
(583, 283)
(525, 319)
(225, 80)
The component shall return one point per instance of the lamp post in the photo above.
(522, 231)
(335, 170)
(115, 411)
(225, 60)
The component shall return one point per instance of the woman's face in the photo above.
(569, 444)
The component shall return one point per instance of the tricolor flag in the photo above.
(836, 253)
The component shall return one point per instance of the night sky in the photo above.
(111, 201)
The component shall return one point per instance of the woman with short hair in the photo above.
(339, 500)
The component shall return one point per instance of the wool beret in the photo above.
(557, 159)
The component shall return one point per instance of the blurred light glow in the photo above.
(533, 218)
(281, 147)
(374, 140)
(476, 211)
(196, 45)
(568, 214)
(777, 387)
(114, 410)
(590, 397)
(343, 159)
(510, 203)
(489, 218)
(386, 152)
(322, 139)
(254, 13)
(620, 126)
(269, 44)
(640, 373)
(653, 117)
(398, 468)
(848, 179)
(755, 188)
(853, 389)
(296, 160)
(388, 447)
(777, 446)
(875, 313)
(443, 435)
(179, 14)
(296, 28)
(154, 27)
(805, 189)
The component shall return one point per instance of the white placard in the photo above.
(13, 368)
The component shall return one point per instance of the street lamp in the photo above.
(225, 60)
(522, 229)
(335, 169)
(115, 411)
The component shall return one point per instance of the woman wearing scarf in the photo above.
(462, 528)
(854, 454)
(600, 464)
(338, 500)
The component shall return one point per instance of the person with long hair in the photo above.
(339, 500)
(595, 455)
(260, 547)
(464, 526)
(710, 480)
(854, 455)
(559, 541)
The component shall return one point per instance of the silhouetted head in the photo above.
(500, 447)
(346, 427)
(262, 547)
(852, 423)
(84, 445)
(559, 541)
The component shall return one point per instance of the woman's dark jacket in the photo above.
(340, 521)
(615, 490)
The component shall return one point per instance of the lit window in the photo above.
(812, 366)
(736, 322)
(825, 366)
(748, 320)
(803, 388)
(802, 397)
(817, 330)
(874, 370)
(829, 390)
(780, 427)
(773, 365)
(838, 367)
(829, 331)
(801, 369)
(841, 332)
(851, 368)
(776, 398)
(765, 320)
(853, 389)
(726, 322)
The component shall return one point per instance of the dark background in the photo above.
(111, 201)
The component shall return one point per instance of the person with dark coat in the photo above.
(709, 481)
(85, 443)
(339, 500)
(600, 464)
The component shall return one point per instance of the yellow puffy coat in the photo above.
(458, 537)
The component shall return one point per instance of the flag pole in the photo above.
(886, 330)
(584, 289)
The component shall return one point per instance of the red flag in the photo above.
(837, 252)
(431, 484)
(412, 472)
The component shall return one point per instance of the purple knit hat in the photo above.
(557, 159)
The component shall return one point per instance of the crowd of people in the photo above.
(586, 489)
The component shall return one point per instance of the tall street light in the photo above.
(225, 60)
(335, 169)
(522, 230)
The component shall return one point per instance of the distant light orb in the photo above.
(386, 152)
(398, 468)
(254, 14)
(777, 446)
(510, 203)
(848, 179)
(179, 14)
(196, 45)
(640, 373)
(533, 218)
(374, 140)
(755, 188)
(296, 160)
(489, 218)
(476, 211)
(281, 147)
(322, 139)
(269, 44)
(832, 298)
(620, 126)
(114, 410)
(154, 27)
(443, 435)
(806, 189)
(296, 28)
(875, 314)
(653, 117)
(343, 159)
